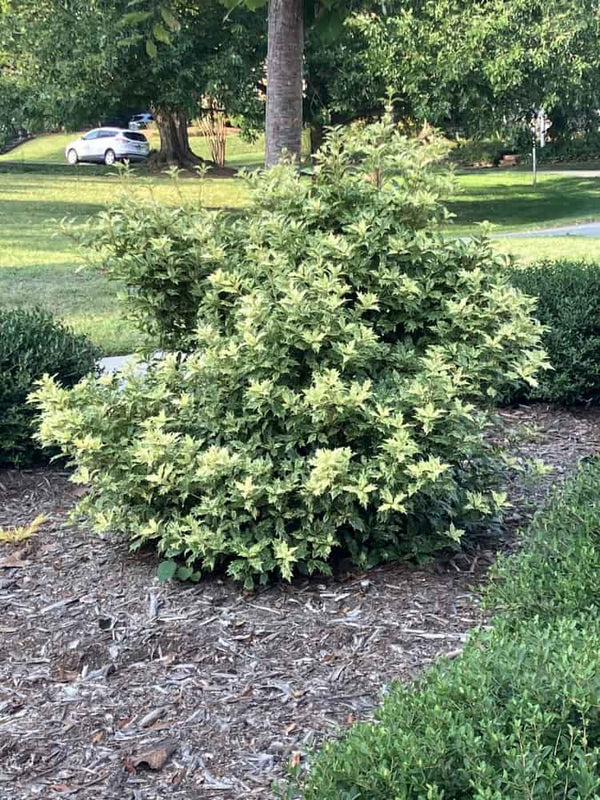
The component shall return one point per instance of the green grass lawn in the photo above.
(555, 248)
(507, 199)
(39, 266)
(511, 203)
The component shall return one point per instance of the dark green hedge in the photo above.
(569, 304)
(517, 716)
(578, 147)
(32, 343)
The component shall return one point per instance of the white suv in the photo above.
(107, 145)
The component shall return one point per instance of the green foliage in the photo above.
(163, 257)
(31, 344)
(326, 402)
(61, 59)
(569, 306)
(166, 570)
(470, 65)
(576, 147)
(478, 152)
(77, 63)
(11, 107)
(517, 716)
(556, 572)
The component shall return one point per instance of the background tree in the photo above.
(64, 62)
(12, 99)
(210, 56)
(474, 67)
(83, 62)
(284, 79)
(339, 85)
(469, 66)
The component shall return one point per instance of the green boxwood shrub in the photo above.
(517, 715)
(557, 568)
(327, 403)
(32, 344)
(569, 306)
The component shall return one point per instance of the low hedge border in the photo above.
(517, 715)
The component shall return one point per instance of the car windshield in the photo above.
(135, 137)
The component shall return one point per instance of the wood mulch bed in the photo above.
(116, 687)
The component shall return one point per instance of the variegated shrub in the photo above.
(333, 402)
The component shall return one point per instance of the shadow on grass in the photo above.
(99, 170)
(33, 167)
(518, 205)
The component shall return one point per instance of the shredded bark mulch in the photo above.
(116, 687)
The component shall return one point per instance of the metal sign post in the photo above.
(539, 125)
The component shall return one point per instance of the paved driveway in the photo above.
(584, 229)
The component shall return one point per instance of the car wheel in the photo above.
(72, 157)
(109, 158)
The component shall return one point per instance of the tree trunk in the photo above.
(284, 79)
(174, 143)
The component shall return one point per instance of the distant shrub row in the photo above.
(517, 715)
(579, 147)
(569, 306)
(489, 151)
(479, 152)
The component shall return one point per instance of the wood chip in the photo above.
(157, 757)
(66, 601)
(152, 717)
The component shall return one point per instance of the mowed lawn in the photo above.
(40, 266)
(508, 199)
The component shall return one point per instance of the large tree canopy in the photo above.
(473, 65)
(469, 65)
(81, 62)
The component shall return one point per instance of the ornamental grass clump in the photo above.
(330, 399)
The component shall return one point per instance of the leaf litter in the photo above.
(114, 686)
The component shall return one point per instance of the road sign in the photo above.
(540, 125)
